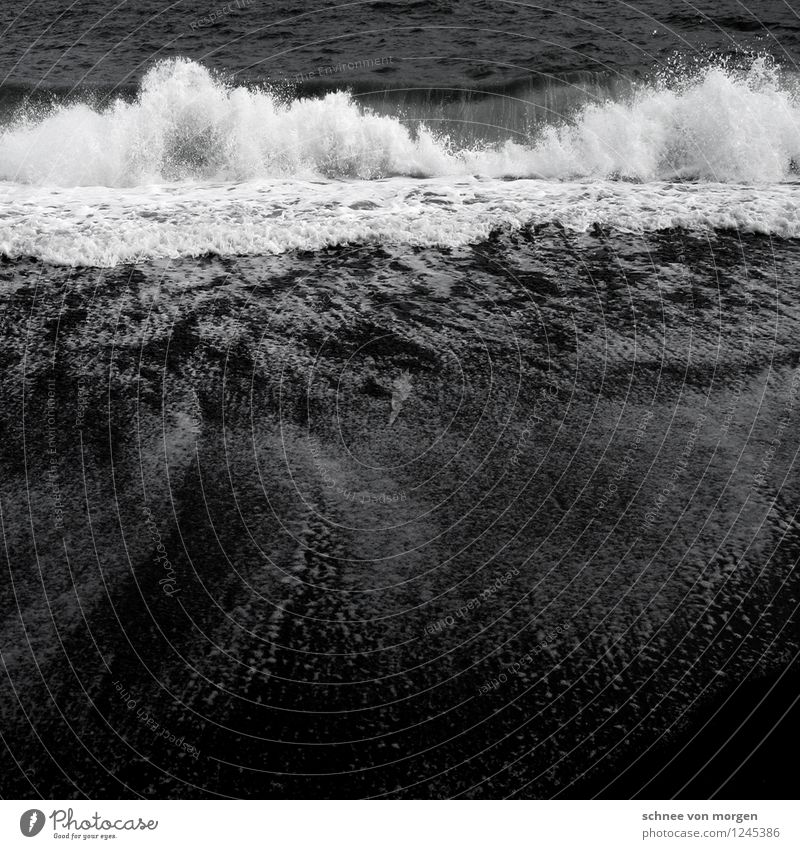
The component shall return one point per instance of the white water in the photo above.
(720, 125)
(105, 226)
(194, 167)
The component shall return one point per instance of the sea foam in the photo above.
(717, 124)
(104, 226)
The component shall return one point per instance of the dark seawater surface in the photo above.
(430, 42)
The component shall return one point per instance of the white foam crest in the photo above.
(103, 226)
(185, 124)
(724, 126)
(721, 125)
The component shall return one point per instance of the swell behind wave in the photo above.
(719, 124)
(106, 226)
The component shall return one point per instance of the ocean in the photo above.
(400, 399)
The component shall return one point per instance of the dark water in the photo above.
(298, 636)
(430, 43)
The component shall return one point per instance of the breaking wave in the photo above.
(717, 124)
